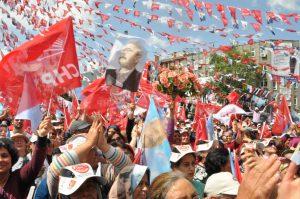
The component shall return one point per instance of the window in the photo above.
(295, 101)
(253, 53)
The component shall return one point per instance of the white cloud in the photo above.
(279, 5)
(154, 41)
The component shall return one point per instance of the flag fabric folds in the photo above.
(49, 59)
(157, 150)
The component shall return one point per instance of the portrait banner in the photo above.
(126, 63)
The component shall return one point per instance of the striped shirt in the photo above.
(117, 159)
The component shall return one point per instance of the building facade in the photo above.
(200, 65)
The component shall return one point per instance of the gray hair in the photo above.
(162, 184)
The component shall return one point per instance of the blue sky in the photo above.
(156, 42)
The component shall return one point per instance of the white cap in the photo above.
(204, 147)
(221, 183)
(183, 150)
(73, 142)
(81, 172)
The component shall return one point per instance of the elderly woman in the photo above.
(132, 182)
(183, 159)
(172, 185)
(16, 184)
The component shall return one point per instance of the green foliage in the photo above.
(240, 65)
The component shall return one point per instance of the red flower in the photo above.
(164, 80)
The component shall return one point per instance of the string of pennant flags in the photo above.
(92, 16)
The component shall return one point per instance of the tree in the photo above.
(238, 65)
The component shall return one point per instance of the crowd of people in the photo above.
(88, 160)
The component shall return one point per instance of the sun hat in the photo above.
(18, 135)
(204, 147)
(182, 151)
(221, 183)
(72, 177)
(74, 142)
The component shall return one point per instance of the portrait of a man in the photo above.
(127, 62)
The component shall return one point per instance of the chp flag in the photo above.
(49, 60)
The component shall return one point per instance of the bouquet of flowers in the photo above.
(178, 82)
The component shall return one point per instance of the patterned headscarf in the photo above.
(127, 181)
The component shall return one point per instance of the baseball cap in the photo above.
(221, 183)
(78, 125)
(72, 177)
(182, 151)
(204, 147)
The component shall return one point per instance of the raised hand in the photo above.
(289, 188)
(93, 134)
(45, 127)
(260, 180)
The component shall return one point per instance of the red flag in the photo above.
(116, 8)
(284, 108)
(104, 17)
(251, 41)
(256, 26)
(225, 48)
(143, 101)
(75, 105)
(154, 6)
(208, 7)
(154, 17)
(136, 13)
(201, 132)
(285, 19)
(221, 9)
(49, 59)
(280, 124)
(171, 23)
(233, 97)
(198, 4)
(126, 11)
(245, 12)
(232, 11)
(67, 121)
(190, 13)
(257, 15)
(184, 3)
(97, 97)
(271, 16)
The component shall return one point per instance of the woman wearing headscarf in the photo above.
(16, 184)
(132, 183)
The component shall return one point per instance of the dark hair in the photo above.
(117, 132)
(215, 160)
(9, 146)
(114, 127)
